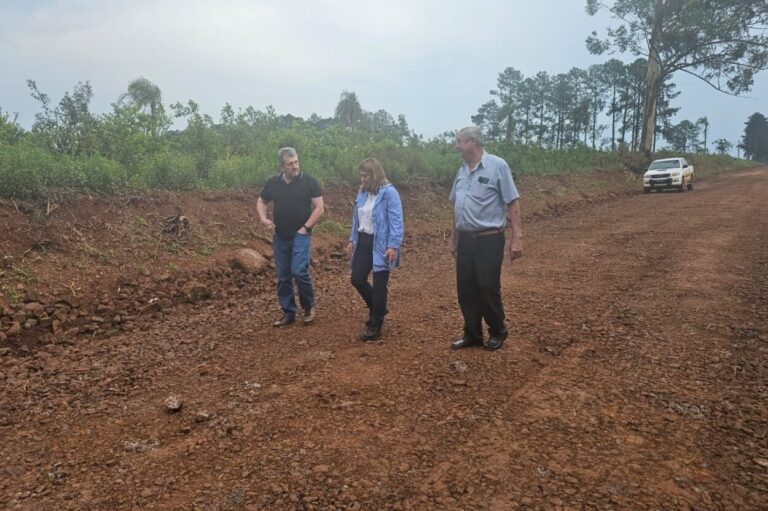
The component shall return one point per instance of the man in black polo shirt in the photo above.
(298, 205)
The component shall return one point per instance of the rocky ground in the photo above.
(140, 370)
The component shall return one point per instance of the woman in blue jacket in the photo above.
(374, 244)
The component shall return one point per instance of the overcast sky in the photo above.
(432, 60)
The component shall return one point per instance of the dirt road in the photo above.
(635, 377)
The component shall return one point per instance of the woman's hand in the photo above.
(350, 249)
(391, 255)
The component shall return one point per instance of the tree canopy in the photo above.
(755, 139)
(722, 42)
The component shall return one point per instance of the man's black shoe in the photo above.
(465, 343)
(493, 343)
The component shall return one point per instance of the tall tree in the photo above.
(487, 118)
(704, 123)
(146, 96)
(683, 137)
(70, 127)
(541, 92)
(560, 100)
(508, 92)
(723, 42)
(664, 109)
(755, 139)
(348, 111)
(612, 75)
(722, 146)
(596, 88)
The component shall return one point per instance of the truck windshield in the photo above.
(661, 165)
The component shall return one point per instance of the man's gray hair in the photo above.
(283, 152)
(472, 133)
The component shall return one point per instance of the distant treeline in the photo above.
(598, 107)
(133, 146)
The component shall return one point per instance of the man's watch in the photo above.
(307, 228)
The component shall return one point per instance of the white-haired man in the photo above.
(485, 201)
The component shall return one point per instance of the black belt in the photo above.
(484, 232)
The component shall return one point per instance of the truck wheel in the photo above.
(690, 184)
(682, 186)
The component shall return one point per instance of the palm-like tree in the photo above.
(704, 123)
(144, 96)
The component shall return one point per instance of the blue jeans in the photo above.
(292, 263)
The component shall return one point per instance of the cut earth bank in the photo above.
(75, 265)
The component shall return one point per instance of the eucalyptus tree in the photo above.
(722, 42)
(755, 138)
(407, 136)
(348, 111)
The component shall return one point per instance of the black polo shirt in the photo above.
(293, 201)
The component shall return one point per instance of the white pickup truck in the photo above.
(668, 173)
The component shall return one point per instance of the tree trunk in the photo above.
(652, 75)
(613, 120)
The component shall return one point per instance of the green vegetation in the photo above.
(12, 294)
(721, 42)
(755, 139)
(133, 147)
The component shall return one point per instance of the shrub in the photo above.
(168, 171)
(100, 174)
(21, 169)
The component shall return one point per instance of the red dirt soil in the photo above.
(635, 375)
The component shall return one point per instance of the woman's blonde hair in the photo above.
(373, 168)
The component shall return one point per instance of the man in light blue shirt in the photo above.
(485, 202)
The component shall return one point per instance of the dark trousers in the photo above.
(375, 296)
(478, 282)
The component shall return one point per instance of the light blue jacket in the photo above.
(387, 225)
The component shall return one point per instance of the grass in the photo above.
(12, 294)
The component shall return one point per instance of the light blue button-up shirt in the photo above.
(480, 198)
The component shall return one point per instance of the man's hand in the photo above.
(515, 250)
(269, 224)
